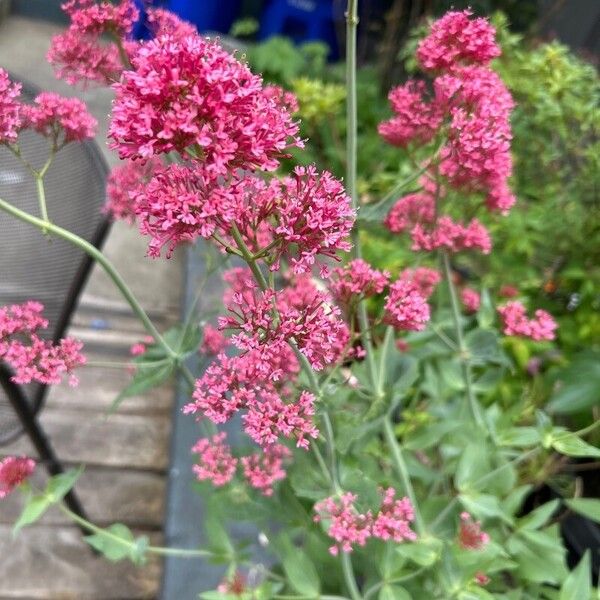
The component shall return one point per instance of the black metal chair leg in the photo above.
(38, 438)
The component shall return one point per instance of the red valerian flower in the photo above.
(405, 307)
(470, 535)
(13, 472)
(33, 358)
(81, 54)
(63, 120)
(190, 94)
(357, 279)
(471, 299)
(456, 39)
(215, 462)
(10, 119)
(264, 469)
(516, 322)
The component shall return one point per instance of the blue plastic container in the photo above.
(207, 15)
(302, 21)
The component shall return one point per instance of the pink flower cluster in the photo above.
(14, 471)
(307, 211)
(265, 469)
(471, 299)
(32, 358)
(423, 278)
(415, 119)
(470, 535)
(123, 183)
(63, 120)
(215, 461)
(456, 39)
(405, 308)
(347, 526)
(80, 54)
(165, 22)
(217, 464)
(470, 109)
(357, 279)
(410, 210)
(452, 236)
(190, 94)
(10, 120)
(213, 341)
(515, 322)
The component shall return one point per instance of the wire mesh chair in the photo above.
(46, 269)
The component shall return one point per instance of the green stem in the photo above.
(462, 349)
(41, 192)
(249, 258)
(92, 251)
(350, 180)
(374, 588)
(335, 478)
(349, 577)
(402, 471)
(158, 550)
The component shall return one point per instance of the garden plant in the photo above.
(382, 459)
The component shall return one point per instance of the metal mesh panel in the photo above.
(38, 267)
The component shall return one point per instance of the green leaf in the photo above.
(486, 313)
(578, 585)
(513, 502)
(579, 388)
(540, 555)
(114, 542)
(146, 377)
(34, 508)
(56, 489)
(59, 485)
(538, 518)
(424, 552)
(475, 593)
(393, 592)
(588, 507)
(484, 506)
(473, 465)
(300, 571)
(571, 445)
(483, 346)
(519, 437)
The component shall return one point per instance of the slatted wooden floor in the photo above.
(127, 458)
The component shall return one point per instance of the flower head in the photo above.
(81, 54)
(457, 39)
(409, 210)
(392, 522)
(451, 236)
(405, 307)
(415, 119)
(515, 322)
(62, 119)
(13, 472)
(190, 94)
(471, 299)
(262, 470)
(470, 535)
(424, 278)
(31, 357)
(123, 186)
(215, 462)
(213, 341)
(358, 279)
(347, 526)
(10, 119)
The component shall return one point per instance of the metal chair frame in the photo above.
(28, 406)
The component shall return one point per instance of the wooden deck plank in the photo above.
(136, 498)
(45, 562)
(128, 441)
(98, 387)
